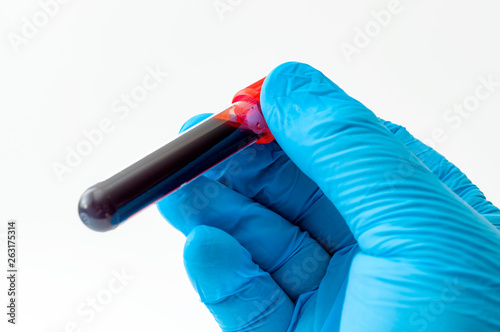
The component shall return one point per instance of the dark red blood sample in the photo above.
(105, 205)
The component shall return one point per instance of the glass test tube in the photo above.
(105, 205)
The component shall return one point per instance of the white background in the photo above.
(65, 78)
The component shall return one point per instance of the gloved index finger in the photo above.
(345, 149)
(264, 173)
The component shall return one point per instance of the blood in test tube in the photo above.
(105, 205)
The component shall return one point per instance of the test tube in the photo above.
(107, 204)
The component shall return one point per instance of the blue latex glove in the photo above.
(349, 224)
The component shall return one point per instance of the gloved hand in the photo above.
(349, 224)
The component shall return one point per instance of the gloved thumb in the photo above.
(390, 200)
